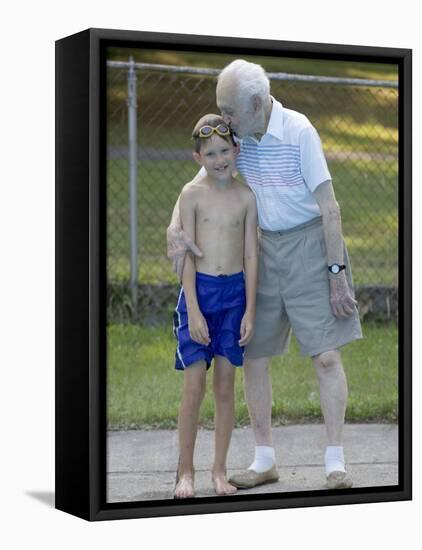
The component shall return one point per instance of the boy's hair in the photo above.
(209, 120)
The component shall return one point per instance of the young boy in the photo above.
(215, 312)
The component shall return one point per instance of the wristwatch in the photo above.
(336, 268)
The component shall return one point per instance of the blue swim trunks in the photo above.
(222, 301)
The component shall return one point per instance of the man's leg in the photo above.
(333, 395)
(258, 395)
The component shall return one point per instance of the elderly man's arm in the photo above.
(178, 242)
(342, 300)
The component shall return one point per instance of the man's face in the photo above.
(217, 156)
(235, 111)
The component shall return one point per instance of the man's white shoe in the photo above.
(339, 480)
(250, 478)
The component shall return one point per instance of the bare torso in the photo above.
(220, 227)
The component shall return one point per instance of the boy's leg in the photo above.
(193, 394)
(224, 376)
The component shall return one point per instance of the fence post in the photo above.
(133, 178)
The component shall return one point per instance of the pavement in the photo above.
(141, 464)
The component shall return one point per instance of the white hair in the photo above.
(249, 78)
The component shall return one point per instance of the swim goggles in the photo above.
(207, 131)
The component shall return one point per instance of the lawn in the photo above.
(359, 131)
(144, 390)
(348, 69)
(367, 194)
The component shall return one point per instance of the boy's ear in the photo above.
(197, 158)
(236, 149)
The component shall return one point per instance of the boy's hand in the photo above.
(246, 329)
(198, 328)
(178, 243)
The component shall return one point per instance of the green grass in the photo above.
(144, 390)
(350, 115)
(357, 124)
(367, 197)
(350, 69)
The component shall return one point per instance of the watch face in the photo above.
(335, 268)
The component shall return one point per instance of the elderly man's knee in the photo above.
(327, 360)
(256, 367)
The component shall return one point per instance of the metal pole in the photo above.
(133, 178)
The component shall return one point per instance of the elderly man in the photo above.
(305, 282)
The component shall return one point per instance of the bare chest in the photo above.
(220, 216)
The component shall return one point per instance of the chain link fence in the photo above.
(358, 124)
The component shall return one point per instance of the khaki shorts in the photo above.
(293, 295)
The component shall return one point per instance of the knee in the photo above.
(256, 368)
(327, 360)
(195, 394)
(224, 392)
(200, 391)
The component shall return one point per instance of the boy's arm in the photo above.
(251, 270)
(198, 328)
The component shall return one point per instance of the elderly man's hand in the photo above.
(178, 243)
(342, 300)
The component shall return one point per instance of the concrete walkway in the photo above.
(142, 463)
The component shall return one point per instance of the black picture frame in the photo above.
(81, 274)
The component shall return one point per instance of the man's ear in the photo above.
(197, 158)
(257, 103)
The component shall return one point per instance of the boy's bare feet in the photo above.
(184, 487)
(222, 486)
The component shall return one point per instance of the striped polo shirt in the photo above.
(283, 169)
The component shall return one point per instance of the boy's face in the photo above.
(217, 156)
